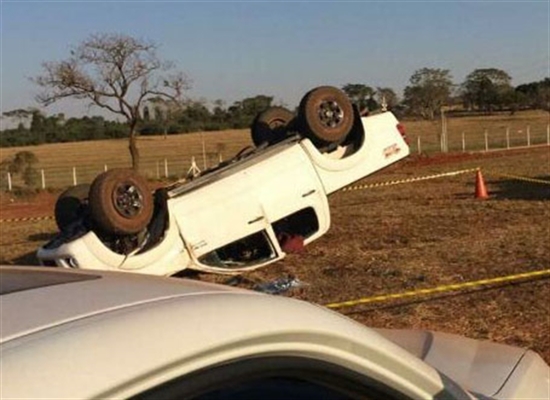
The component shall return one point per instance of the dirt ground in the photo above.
(401, 238)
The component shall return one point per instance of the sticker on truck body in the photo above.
(391, 150)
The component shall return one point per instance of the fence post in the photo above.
(486, 140)
(43, 176)
(463, 142)
(74, 176)
(158, 170)
(418, 146)
(508, 137)
(548, 134)
(9, 182)
(105, 168)
(528, 136)
(203, 150)
(443, 141)
(165, 168)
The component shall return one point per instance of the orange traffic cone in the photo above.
(481, 189)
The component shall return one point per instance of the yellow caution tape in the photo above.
(440, 289)
(519, 178)
(409, 180)
(26, 219)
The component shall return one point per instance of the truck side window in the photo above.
(250, 250)
(303, 223)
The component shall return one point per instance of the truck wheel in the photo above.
(271, 125)
(326, 115)
(71, 205)
(120, 202)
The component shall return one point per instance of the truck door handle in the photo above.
(256, 220)
(309, 193)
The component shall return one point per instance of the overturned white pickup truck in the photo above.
(237, 216)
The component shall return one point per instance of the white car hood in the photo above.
(59, 296)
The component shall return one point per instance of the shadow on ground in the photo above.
(25, 259)
(41, 237)
(513, 189)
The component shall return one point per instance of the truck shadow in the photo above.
(513, 189)
(27, 259)
(41, 237)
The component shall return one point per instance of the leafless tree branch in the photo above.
(115, 72)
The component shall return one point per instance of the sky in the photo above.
(232, 50)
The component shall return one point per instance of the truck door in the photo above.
(295, 201)
(244, 205)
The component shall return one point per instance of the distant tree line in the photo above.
(160, 116)
(429, 91)
(33, 127)
(483, 91)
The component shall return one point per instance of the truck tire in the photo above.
(71, 205)
(120, 202)
(271, 125)
(326, 116)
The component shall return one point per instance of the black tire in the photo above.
(71, 205)
(271, 126)
(326, 116)
(120, 202)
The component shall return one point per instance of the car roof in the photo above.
(36, 298)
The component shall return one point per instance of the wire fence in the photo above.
(177, 167)
(485, 141)
(56, 177)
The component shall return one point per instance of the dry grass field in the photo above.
(391, 239)
(473, 128)
(90, 158)
(174, 153)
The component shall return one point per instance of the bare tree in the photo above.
(116, 72)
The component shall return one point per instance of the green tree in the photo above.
(535, 95)
(23, 164)
(219, 114)
(194, 117)
(361, 95)
(486, 89)
(21, 116)
(387, 96)
(115, 72)
(20, 135)
(46, 129)
(38, 126)
(163, 115)
(242, 113)
(429, 90)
